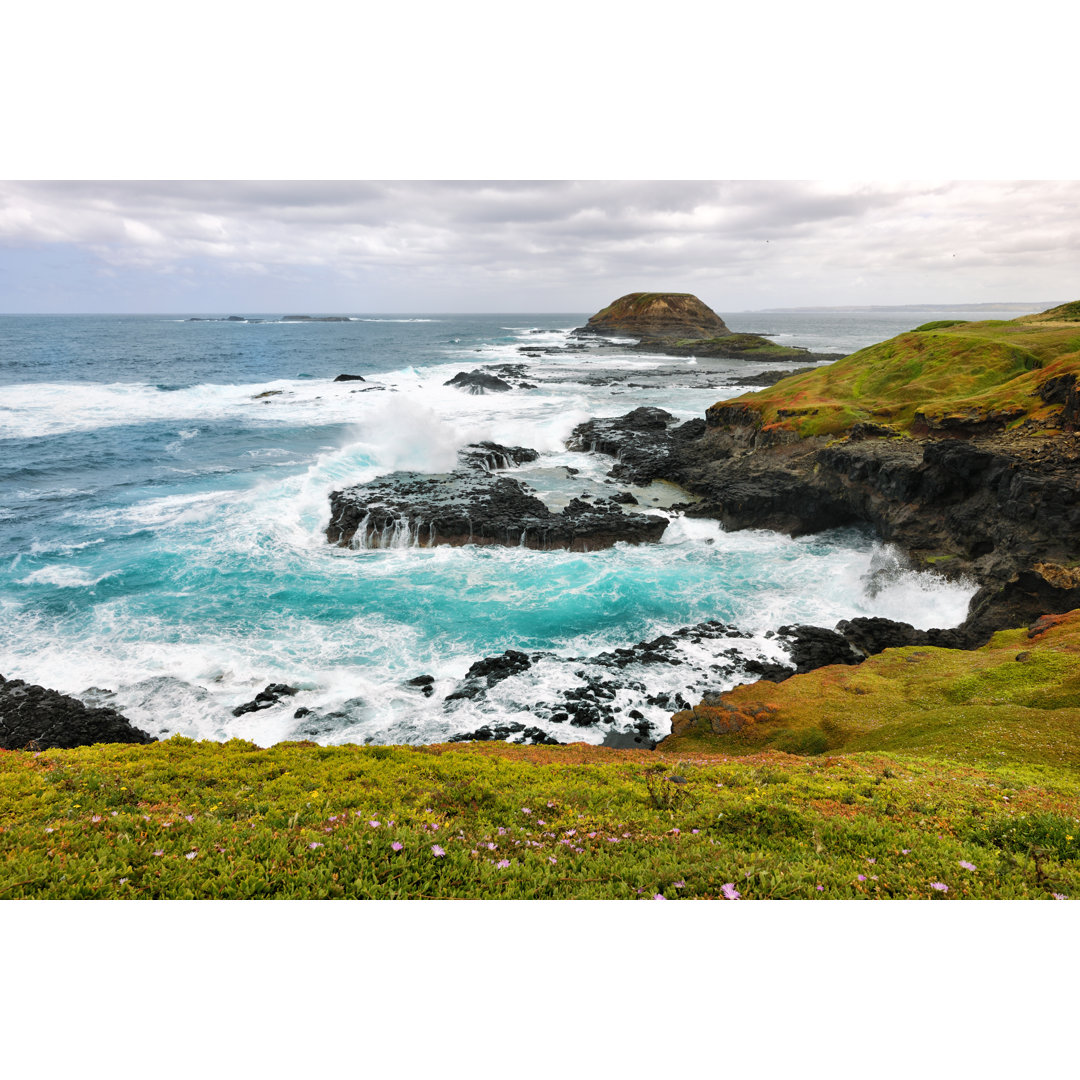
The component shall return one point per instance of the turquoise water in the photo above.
(161, 526)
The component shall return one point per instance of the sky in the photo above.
(529, 246)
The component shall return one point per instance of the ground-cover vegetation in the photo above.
(180, 819)
(943, 371)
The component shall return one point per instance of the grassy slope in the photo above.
(985, 369)
(206, 820)
(973, 707)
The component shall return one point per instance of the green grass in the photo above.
(182, 820)
(939, 375)
(1015, 701)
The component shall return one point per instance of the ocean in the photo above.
(164, 493)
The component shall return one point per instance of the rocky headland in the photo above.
(956, 442)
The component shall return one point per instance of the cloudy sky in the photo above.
(236, 247)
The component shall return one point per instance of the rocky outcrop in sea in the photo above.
(35, 718)
(408, 509)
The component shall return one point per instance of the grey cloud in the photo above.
(813, 239)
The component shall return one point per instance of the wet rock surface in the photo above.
(266, 699)
(471, 507)
(35, 718)
(606, 692)
(647, 443)
(491, 457)
(478, 382)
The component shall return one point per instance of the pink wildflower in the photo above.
(730, 892)
(871, 861)
(437, 851)
(49, 829)
(552, 860)
(592, 836)
(96, 818)
(397, 845)
(820, 888)
(122, 881)
(659, 896)
(678, 884)
(939, 885)
(1059, 896)
(570, 832)
(967, 865)
(159, 852)
(189, 817)
(526, 810)
(191, 855)
(491, 846)
(314, 844)
(861, 877)
(905, 851)
(695, 831)
(674, 832)
(502, 864)
(374, 824)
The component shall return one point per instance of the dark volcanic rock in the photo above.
(266, 699)
(350, 378)
(485, 673)
(491, 457)
(34, 718)
(478, 382)
(424, 683)
(813, 647)
(647, 443)
(502, 732)
(769, 378)
(420, 509)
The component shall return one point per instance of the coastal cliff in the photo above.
(956, 442)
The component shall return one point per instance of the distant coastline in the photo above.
(1011, 305)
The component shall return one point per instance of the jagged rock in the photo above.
(768, 670)
(35, 718)
(266, 699)
(647, 442)
(478, 382)
(420, 509)
(502, 732)
(350, 378)
(424, 683)
(813, 647)
(491, 457)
